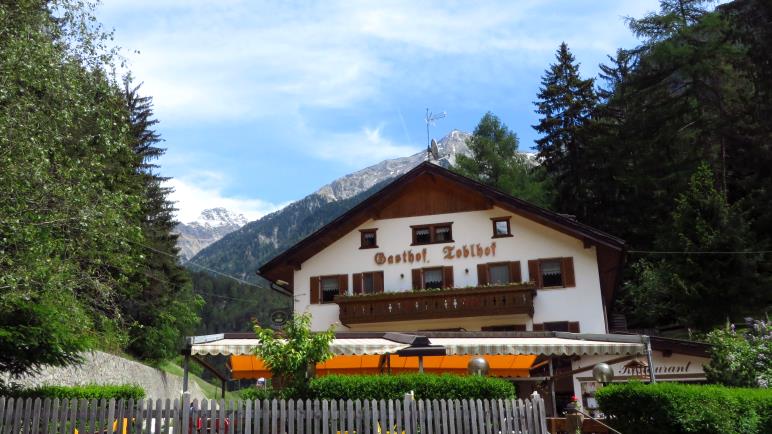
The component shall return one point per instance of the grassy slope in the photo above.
(210, 390)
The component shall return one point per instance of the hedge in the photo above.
(89, 391)
(425, 386)
(681, 408)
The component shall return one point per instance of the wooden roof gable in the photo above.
(431, 189)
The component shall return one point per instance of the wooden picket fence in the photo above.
(408, 416)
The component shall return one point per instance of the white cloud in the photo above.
(245, 60)
(194, 194)
(360, 148)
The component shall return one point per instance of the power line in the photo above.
(242, 281)
(665, 252)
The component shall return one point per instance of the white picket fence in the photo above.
(453, 416)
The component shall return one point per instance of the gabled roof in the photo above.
(317, 241)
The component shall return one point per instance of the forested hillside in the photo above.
(670, 149)
(86, 256)
(241, 252)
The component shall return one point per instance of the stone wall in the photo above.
(103, 368)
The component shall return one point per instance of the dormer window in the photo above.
(432, 234)
(501, 227)
(368, 238)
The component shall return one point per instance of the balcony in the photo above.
(451, 303)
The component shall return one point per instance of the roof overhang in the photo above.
(610, 247)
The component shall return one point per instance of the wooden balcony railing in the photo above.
(451, 303)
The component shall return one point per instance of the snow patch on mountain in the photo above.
(210, 226)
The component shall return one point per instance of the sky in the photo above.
(261, 103)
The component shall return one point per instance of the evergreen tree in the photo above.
(68, 201)
(165, 308)
(565, 102)
(698, 288)
(495, 161)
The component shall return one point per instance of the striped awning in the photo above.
(536, 346)
(345, 346)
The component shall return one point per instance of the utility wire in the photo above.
(665, 252)
(242, 281)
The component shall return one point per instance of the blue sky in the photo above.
(261, 103)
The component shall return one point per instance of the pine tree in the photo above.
(695, 288)
(165, 309)
(566, 103)
(495, 161)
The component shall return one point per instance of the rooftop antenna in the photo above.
(432, 151)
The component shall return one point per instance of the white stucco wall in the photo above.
(531, 240)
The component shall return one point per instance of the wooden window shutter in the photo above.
(567, 268)
(378, 281)
(534, 273)
(356, 279)
(514, 272)
(482, 274)
(538, 327)
(343, 284)
(418, 279)
(313, 288)
(447, 277)
(573, 326)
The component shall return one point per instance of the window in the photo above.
(552, 272)
(368, 239)
(501, 227)
(435, 277)
(429, 234)
(504, 328)
(368, 283)
(422, 235)
(442, 234)
(330, 288)
(498, 274)
(557, 326)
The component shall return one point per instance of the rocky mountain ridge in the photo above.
(210, 226)
(241, 252)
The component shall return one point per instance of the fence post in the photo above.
(185, 413)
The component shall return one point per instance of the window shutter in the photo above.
(357, 282)
(378, 281)
(567, 268)
(538, 327)
(447, 277)
(417, 278)
(573, 326)
(343, 284)
(313, 288)
(482, 274)
(534, 273)
(514, 272)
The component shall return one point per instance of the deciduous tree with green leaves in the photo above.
(292, 352)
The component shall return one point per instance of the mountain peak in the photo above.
(361, 180)
(211, 225)
(217, 217)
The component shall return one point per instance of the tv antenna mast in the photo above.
(431, 145)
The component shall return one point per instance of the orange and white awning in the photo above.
(245, 366)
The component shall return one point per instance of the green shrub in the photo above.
(89, 391)
(425, 386)
(680, 408)
(257, 393)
